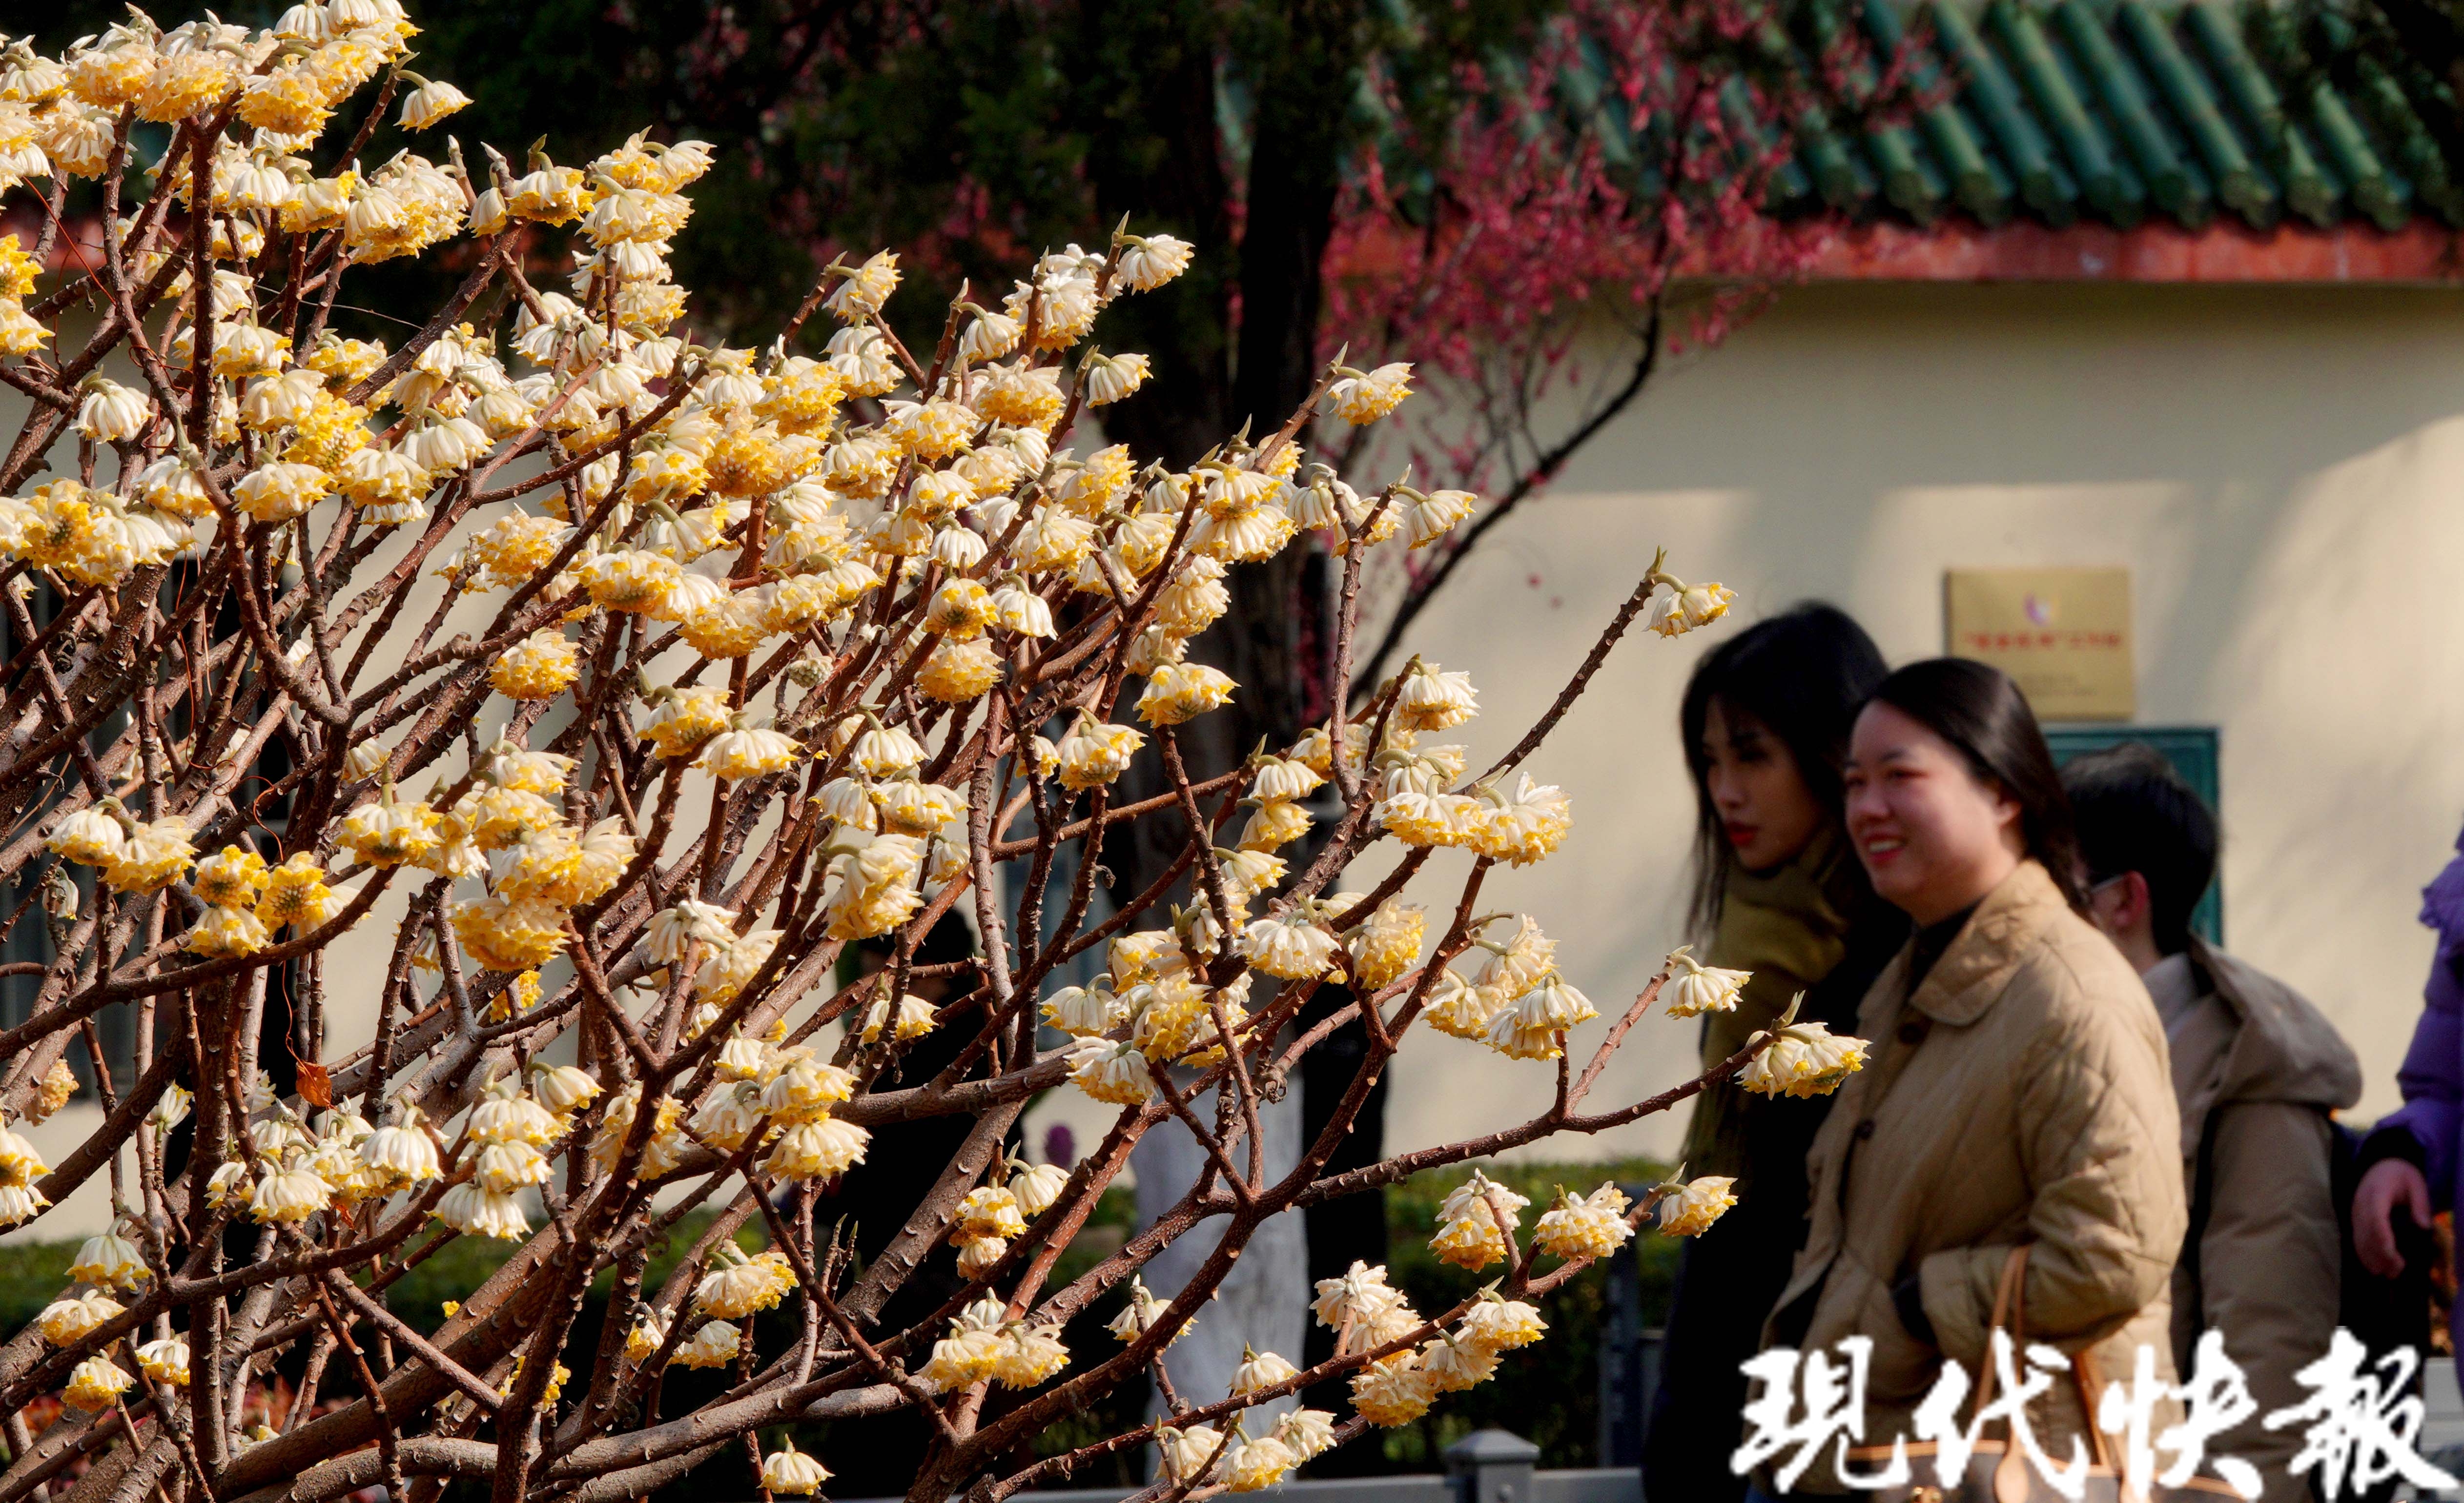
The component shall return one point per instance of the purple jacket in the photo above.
(2432, 1075)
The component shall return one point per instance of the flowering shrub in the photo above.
(781, 652)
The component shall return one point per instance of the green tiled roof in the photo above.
(2119, 111)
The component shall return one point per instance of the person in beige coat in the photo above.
(2256, 1070)
(2015, 1092)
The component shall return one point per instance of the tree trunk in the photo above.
(1301, 61)
(1148, 112)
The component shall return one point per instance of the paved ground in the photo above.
(2442, 1428)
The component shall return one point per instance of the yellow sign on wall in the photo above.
(2064, 634)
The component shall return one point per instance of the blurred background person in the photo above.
(1779, 893)
(2257, 1072)
(2411, 1162)
(2014, 1093)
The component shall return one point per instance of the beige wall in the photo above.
(2278, 468)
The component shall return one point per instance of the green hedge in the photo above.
(32, 1275)
(1548, 1393)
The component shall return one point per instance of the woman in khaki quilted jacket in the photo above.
(2017, 1089)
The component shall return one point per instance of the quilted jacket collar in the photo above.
(1977, 968)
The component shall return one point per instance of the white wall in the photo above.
(2277, 466)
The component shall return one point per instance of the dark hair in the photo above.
(2135, 814)
(1976, 708)
(1804, 674)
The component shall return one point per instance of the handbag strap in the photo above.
(2083, 1370)
(2011, 1294)
(2011, 1472)
(2006, 1299)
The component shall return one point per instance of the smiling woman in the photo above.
(1950, 785)
(2019, 1096)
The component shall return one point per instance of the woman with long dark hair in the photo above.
(1777, 892)
(2014, 1113)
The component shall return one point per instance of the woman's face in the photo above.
(1935, 837)
(1766, 810)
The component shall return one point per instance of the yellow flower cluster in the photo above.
(59, 1083)
(874, 887)
(1585, 1226)
(1689, 1210)
(96, 1385)
(1533, 1027)
(72, 1317)
(1093, 754)
(1516, 1003)
(1474, 1222)
(547, 866)
(165, 1361)
(246, 901)
(1115, 1074)
(1694, 987)
(1685, 607)
(788, 1473)
(737, 1286)
(987, 1218)
(1292, 948)
(1415, 786)
(1385, 945)
(401, 1154)
(20, 334)
(984, 1344)
(715, 1345)
(153, 856)
(1140, 1315)
(540, 666)
(556, 1380)
(715, 530)
(1802, 1059)
(91, 537)
(1367, 1314)
(781, 1097)
(667, 1143)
